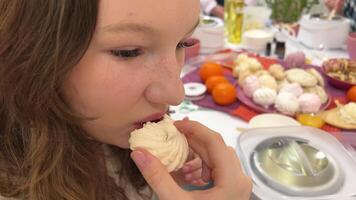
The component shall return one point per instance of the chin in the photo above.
(125, 146)
(119, 145)
(122, 142)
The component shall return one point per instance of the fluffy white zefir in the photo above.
(163, 140)
(348, 113)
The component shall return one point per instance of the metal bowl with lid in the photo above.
(294, 167)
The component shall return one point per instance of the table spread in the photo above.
(231, 120)
(230, 124)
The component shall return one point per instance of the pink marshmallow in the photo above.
(293, 88)
(250, 85)
(309, 103)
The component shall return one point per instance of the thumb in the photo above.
(156, 175)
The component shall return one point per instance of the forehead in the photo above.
(160, 15)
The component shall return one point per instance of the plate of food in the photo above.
(280, 90)
(340, 72)
(289, 107)
(343, 116)
(273, 74)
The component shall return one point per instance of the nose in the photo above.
(166, 86)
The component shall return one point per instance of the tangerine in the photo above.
(210, 69)
(212, 81)
(224, 94)
(351, 94)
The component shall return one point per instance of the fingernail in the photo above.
(139, 158)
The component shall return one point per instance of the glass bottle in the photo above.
(233, 17)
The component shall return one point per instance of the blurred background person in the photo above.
(345, 7)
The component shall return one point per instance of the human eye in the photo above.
(187, 43)
(126, 53)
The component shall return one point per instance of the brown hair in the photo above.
(44, 153)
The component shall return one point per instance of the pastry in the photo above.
(348, 113)
(296, 59)
(244, 64)
(302, 77)
(254, 65)
(309, 103)
(240, 68)
(340, 116)
(317, 75)
(287, 103)
(235, 72)
(164, 141)
(282, 83)
(293, 88)
(277, 71)
(250, 85)
(268, 81)
(261, 72)
(242, 77)
(318, 91)
(241, 58)
(264, 96)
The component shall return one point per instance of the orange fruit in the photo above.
(224, 94)
(351, 94)
(212, 81)
(310, 120)
(210, 69)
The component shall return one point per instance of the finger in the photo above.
(191, 154)
(193, 175)
(192, 165)
(199, 182)
(235, 158)
(206, 175)
(213, 151)
(210, 147)
(207, 143)
(156, 174)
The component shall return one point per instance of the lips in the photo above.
(152, 118)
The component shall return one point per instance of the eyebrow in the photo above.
(127, 27)
(135, 27)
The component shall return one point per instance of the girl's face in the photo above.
(130, 72)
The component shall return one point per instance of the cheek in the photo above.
(97, 98)
(122, 95)
(98, 89)
(111, 100)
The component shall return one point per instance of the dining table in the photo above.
(231, 126)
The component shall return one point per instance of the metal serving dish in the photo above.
(294, 167)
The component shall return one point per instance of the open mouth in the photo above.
(157, 120)
(140, 124)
